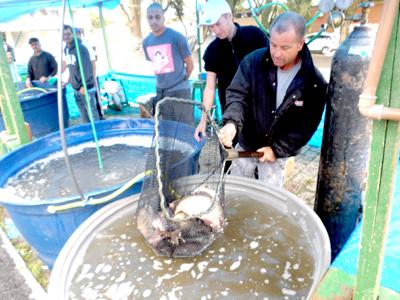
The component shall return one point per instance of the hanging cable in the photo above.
(258, 10)
(60, 107)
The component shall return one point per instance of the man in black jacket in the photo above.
(223, 56)
(274, 102)
(75, 78)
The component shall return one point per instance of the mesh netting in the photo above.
(181, 207)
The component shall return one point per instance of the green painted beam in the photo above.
(338, 285)
(9, 103)
(382, 171)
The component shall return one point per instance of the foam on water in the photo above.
(230, 269)
(123, 157)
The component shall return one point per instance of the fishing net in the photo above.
(181, 207)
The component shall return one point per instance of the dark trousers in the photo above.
(82, 105)
(182, 112)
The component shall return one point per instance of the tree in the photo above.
(302, 7)
(132, 12)
(267, 16)
(233, 4)
(177, 5)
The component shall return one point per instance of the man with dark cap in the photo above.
(41, 66)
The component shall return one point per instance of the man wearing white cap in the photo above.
(223, 56)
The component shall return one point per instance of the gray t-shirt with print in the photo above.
(167, 52)
(284, 80)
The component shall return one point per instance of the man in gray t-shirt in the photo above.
(169, 52)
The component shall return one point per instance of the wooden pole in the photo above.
(382, 171)
(9, 103)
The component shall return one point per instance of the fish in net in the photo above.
(181, 207)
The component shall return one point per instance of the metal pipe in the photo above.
(60, 105)
(367, 100)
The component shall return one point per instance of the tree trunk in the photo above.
(132, 12)
(345, 28)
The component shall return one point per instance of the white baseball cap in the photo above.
(213, 10)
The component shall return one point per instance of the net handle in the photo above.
(232, 154)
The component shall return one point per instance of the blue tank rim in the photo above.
(142, 125)
(49, 91)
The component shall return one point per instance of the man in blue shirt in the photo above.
(170, 54)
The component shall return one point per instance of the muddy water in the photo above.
(260, 256)
(48, 178)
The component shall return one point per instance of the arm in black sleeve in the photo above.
(298, 132)
(262, 39)
(237, 96)
(30, 70)
(52, 65)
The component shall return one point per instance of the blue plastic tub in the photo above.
(41, 112)
(46, 232)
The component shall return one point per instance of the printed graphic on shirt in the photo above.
(161, 57)
(70, 59)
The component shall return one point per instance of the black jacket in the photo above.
(72, 61)
(251, 104)
(223, 56)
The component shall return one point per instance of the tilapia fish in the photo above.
(196, 221)
(200, 204)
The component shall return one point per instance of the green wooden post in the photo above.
(9, 103)
(382, 168)
(103, 30)
(382, 171)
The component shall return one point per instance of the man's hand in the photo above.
(268, 154)
(43, 79)
(28, 83)
(227, 134)
(200, 130)
(82, 91)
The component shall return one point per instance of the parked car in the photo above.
(326, 43)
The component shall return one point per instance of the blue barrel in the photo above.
(41, 112)
(47, 232)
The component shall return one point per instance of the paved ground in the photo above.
(302, 181)
(16, 281)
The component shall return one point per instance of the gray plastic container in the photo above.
(71, 256)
